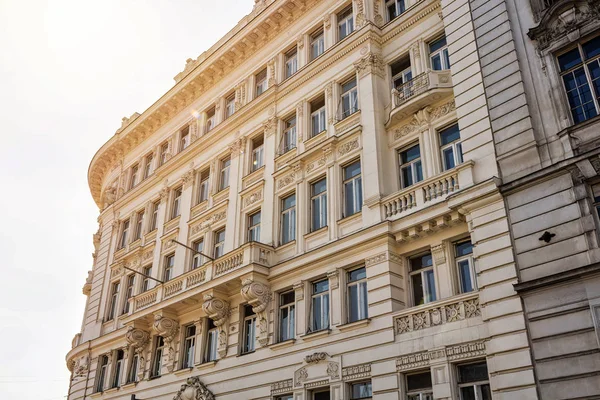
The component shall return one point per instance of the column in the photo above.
(181, 253)
(443, 273)
(417, 64)
(302, 43)
(301, 207)
(268, 205)
(440, 374)
(300, 307)
(331, 106)
(335, 298)
(232, 239)
(329, 30)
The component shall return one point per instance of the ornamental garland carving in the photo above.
(372, 63)
(285, 181)
(258, 295)
(316, 357)
(333, 370)
(423, 117)
(188, 179)
(193, 389)
(208, 221)
(348, 147)
(300, 376)
(80, 366)
(252, 198)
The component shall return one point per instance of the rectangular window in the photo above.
(261, 82)
(219, 243)
(102, 371)
(146, 281)
(189, 344)
(154, 222)
(411, 170)
(258, 153)
(317, 44)
(285, 397)
(473, 381)
(120, 355)
(357, 295)
(176, 204)
(464, 264)
(184, 138)
(287, 318)
(288, 141)
(139, 225)
(230, 105)
(291, 62)
(203, 186)
(158, 355)
(124, 234)
(580, 69)
(401, 74)
(438, 54)
(317, 116)
(288, 219)
(361, 390)
(148, 167)
(169, 265)
(318, 204)
(345, 23)
(395, 8)
(114, 298)
(320, 305)
(422, 279)
(133, 369)
(249, 329)
(198, 259)
(211, 121)
(349, 98)
(129, 292)
(135, 176)
(224, 181)
(164, 153)
(254, 227)
(320, 394)
(352, 189)
(212, 338)
(451, 147)
(418, 386)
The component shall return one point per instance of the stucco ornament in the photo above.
(193, 389)
(109, 197)
(316, 357)
(79, 366)
(219, 311)
(167, 328)
(138, 339)
(258, 295)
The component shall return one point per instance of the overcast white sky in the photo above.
(69, 71)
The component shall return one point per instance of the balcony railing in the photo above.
(454, 309)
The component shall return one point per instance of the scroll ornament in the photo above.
(258, 295)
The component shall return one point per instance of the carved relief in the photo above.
(252, 198)
(348, 147)
(188, 179)
(167, 328)
(270, 126)
(80, 366)
(383, 257)
(333, 370)
(258, 295)
(300, 376)
(423, 117)
(378, 18)
(193, 389)
(439, 253)
(285, 181)
(316, 357)
(372, 63)
(334, 279)
(359, 8)
(138, 340)
(219, 311)
(208, 221)
(356, 372)
(281, 386)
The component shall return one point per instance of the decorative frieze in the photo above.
(286, 181)
(467, 350)
(383, 257)
(206, 223)
(282, 387)
(422, 118)
(79, 366)
(347, 147)
(412, 361)
(359, 10)
(356, 372)
(252, 198)
(449, 353)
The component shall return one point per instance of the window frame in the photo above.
(118, 368)
(261, 83)
(357, 208)
(157, 355)
(197, 259)
(211, 119)
(443, 53)
(285, 212)
(203, 191)
(164, 153)
(230, 105)
(361, 382)
(139, 224)
(145, 284)
(316, 38)
(291, 59)
(321, 117)
(129, 293)
(291, 313)
(154, 221)
(394, 3)
(455, 146)
(176, 202)
(113, 304)
(475, 384)
(219, 246)
(325, 322)
(412, 165)
(184, 138)
(471, 265)
(353, 103)
(420, 392)
(258, 153)
(168, 268)
(224, 173)
(248, 343)
(321, 198)
(132, 375)
(101, 379)
(188, 348)
(345, 23)
(289, 137)
(427, 296)
(148, 165)
(211, 353)
(253, 231)
(134, 178)
(124, 236)
(364, 302)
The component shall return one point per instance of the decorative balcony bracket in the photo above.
(258, 295)
(168, 329)
(219, 311)
(138, 339)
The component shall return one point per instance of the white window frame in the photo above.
(157, 357)
(189, 346)
(412, 165)
(176, 202)
(113, 304)
(132, 376)
(169, 267)
(288, 140)
(118, 369)
(248, 331)
(164, 153)
(103, 368)
(154, 221)
(125, 225)
(320, 199)
(288, 213)
(399, 7)
(212, 342)
(230, 105)
(362, 296)
(258, 155)
(139, 224)
(148, 170)
(427, 296)
(352, 95)
(261, 82)
(469, 259)
(345, 23)
(184, 139)
(317, 117)
(254, 230)
(203, 187)
(197, 258)
(224, 175)
(135, 170)
(356, 190)
(290, 327)
(218, 248)
(455, 145)
(351, 387)
(210, 120)
(291, 62)
(129, 291)
(476, 384)
(442, 52)
(147, 270)
(325, 322)
(317, 44)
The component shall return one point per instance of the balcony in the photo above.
(421, 91)
(427, 192)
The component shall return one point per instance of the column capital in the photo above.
(371, 63)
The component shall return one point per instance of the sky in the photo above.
(69, 71)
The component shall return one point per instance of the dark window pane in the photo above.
(352, 170)
(419, 262)
(438, 44)
(410, 154)
(569, 60)
(450, 134)
(287, 298)
(319, 187)
(591, 48)
(418, 381)
(473, 372)
(464, 248)
(417, 285)
(357, 274)
(467, 393)
(321, 286)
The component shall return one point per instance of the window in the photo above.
(114, 298)
(102, 370)
(203, 186)
(411, 170)
(118, 368)
(291, 62)
(357, 295)
(395, 8)
(419, 387)
(285, 397)
(230, 105)
(211, 119)
(184, 139)
(345, 23)
(401, 72)
(224, 181)
(164, 153)
(317, 44)
(361, 390)
(212, 338)
(317, 116)
(580, 69)
(129, 292)
(287, 319)
(288, 141)
(148, 165)
(288, 219)
(451, 147)
(135, 172)
(158, 355)
(133, 369)
(349, 98)
(320, 394)
(473, 382)
(139, 225)
(169, 265)
(464, 263)
(154, 222)
(352, 189)
(422, 279)
(198, 259)
(254, 227)
(261, 82)
(189, 344)
(249, 329)
(318, 204)
(176, 204)
(320, 305)
(219, 243)
(124, 234)
(258, 153)
(438, 54)
(146, 281)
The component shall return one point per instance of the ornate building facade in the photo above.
(326, 205)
